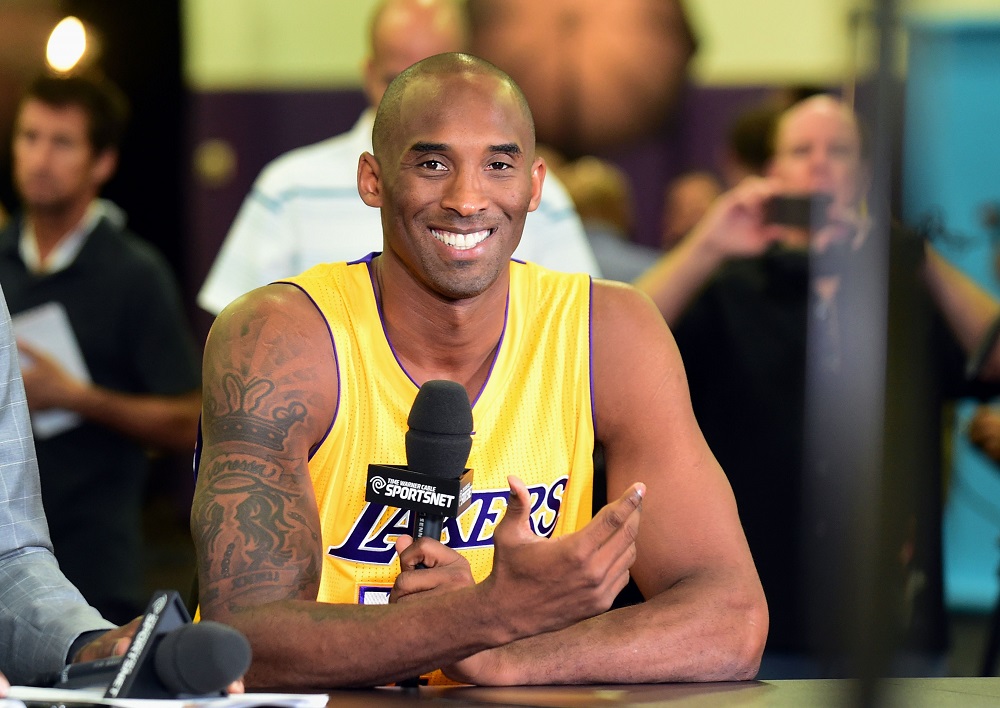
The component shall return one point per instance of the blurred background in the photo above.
(220, 87)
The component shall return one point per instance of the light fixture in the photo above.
(67, 46)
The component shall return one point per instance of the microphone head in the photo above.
(201, 658)
(440, 436)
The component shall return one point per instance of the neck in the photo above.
(52, 226)
(436, 338)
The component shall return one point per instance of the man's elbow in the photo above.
(750, 642)
(745, 633)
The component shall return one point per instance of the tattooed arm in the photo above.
(270, 390)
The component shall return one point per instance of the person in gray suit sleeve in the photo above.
(44, 620)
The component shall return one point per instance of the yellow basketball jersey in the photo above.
(533, 418)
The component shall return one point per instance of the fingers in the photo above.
(403, 541)
(4, 685)
(621, 517)
(427, 581)
(236, 687)
(28, 355)
(26, 348)
(428, 566)
(423, 553)
(114, 642)
(615, 529)
(518, 497)
(515, 526)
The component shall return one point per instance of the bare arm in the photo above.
(705, 618)
(254, 518)
(257, 530)
(732, 228)
(162, 422)
(968, 309)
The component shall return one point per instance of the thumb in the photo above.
(517, 504)
(403, 541)
(514, 523)
(26, 349)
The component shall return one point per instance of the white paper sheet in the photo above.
(95, 696)
(47, 328)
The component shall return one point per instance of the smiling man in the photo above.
(307, 382)
(304, 207)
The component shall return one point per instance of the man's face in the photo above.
(55, 167)
(818, 149)
(456, 181)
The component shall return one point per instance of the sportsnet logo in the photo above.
(372, 538)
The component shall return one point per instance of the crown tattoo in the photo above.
(242, 421)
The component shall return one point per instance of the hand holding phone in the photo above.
(804, 211)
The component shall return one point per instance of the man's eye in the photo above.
(499, 166)
(432, 164)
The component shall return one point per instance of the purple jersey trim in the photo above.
(590, 344)
(366, 259)
(385, 333)
(196, 458)
(336, 363)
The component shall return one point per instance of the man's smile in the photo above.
(461, 241)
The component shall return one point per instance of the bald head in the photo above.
(428, 83)
(402, 32)
(454, 174)
(817, 148)
(821, 106)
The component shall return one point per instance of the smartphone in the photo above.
(804, 211)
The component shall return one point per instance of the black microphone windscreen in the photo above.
(440, 436)
(201, 658)
(441, 406)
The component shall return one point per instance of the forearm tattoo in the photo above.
(255, 543)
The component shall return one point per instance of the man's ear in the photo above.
(369, 180)
(104, 167)
(537, 178)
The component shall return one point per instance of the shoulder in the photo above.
(273, 328)
(269, 351)
(632, 346)
(619, 308)
(331, 161)
(275, 306)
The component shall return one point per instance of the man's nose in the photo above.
(821, 159)
(464, 194)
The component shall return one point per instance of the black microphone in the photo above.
(438, 442)
(192, 660)
(435, 484)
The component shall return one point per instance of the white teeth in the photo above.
(462, 242)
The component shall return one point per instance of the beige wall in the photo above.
(240, 44)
